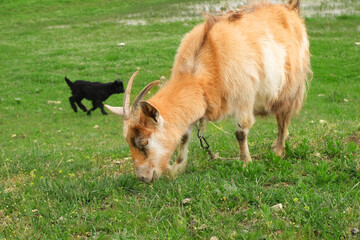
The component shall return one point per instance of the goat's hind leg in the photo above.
(72, 103)
(81, 105)
(283, 121)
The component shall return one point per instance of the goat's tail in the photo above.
(294, 4)
(70, 83)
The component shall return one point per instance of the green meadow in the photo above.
(66, 175)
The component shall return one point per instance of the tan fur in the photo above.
(252, 61)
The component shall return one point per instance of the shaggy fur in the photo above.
(94, 91)
(243, 63)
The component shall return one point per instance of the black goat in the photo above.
(95, 91)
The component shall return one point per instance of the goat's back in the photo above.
(256, 57)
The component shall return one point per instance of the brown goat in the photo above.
(252, 61)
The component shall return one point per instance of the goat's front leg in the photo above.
(95, 106)
(245, 120)
(101, 105)
(241, 136)
(81, 105)
(181, 160)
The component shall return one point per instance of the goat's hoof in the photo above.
(246, 161)
(279, 152)
(245, 164)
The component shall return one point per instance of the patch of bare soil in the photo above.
(355, 138)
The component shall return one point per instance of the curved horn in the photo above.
(142, 94)
(116, 110)
(126, 102)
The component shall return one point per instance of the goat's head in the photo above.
(143, 130)
(118, 86)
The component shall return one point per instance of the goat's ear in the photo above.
(150, 111)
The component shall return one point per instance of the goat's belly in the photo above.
(265, 96)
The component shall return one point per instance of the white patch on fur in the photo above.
(160, 123)
(155, 147)
(157, 150)
(274, 57)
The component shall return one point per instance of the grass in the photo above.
(65, 175)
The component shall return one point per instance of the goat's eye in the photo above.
(138, 142)
(144, 143)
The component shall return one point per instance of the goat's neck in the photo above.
(110, 88)
(181, 103)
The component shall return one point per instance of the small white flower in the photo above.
(277, 207)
